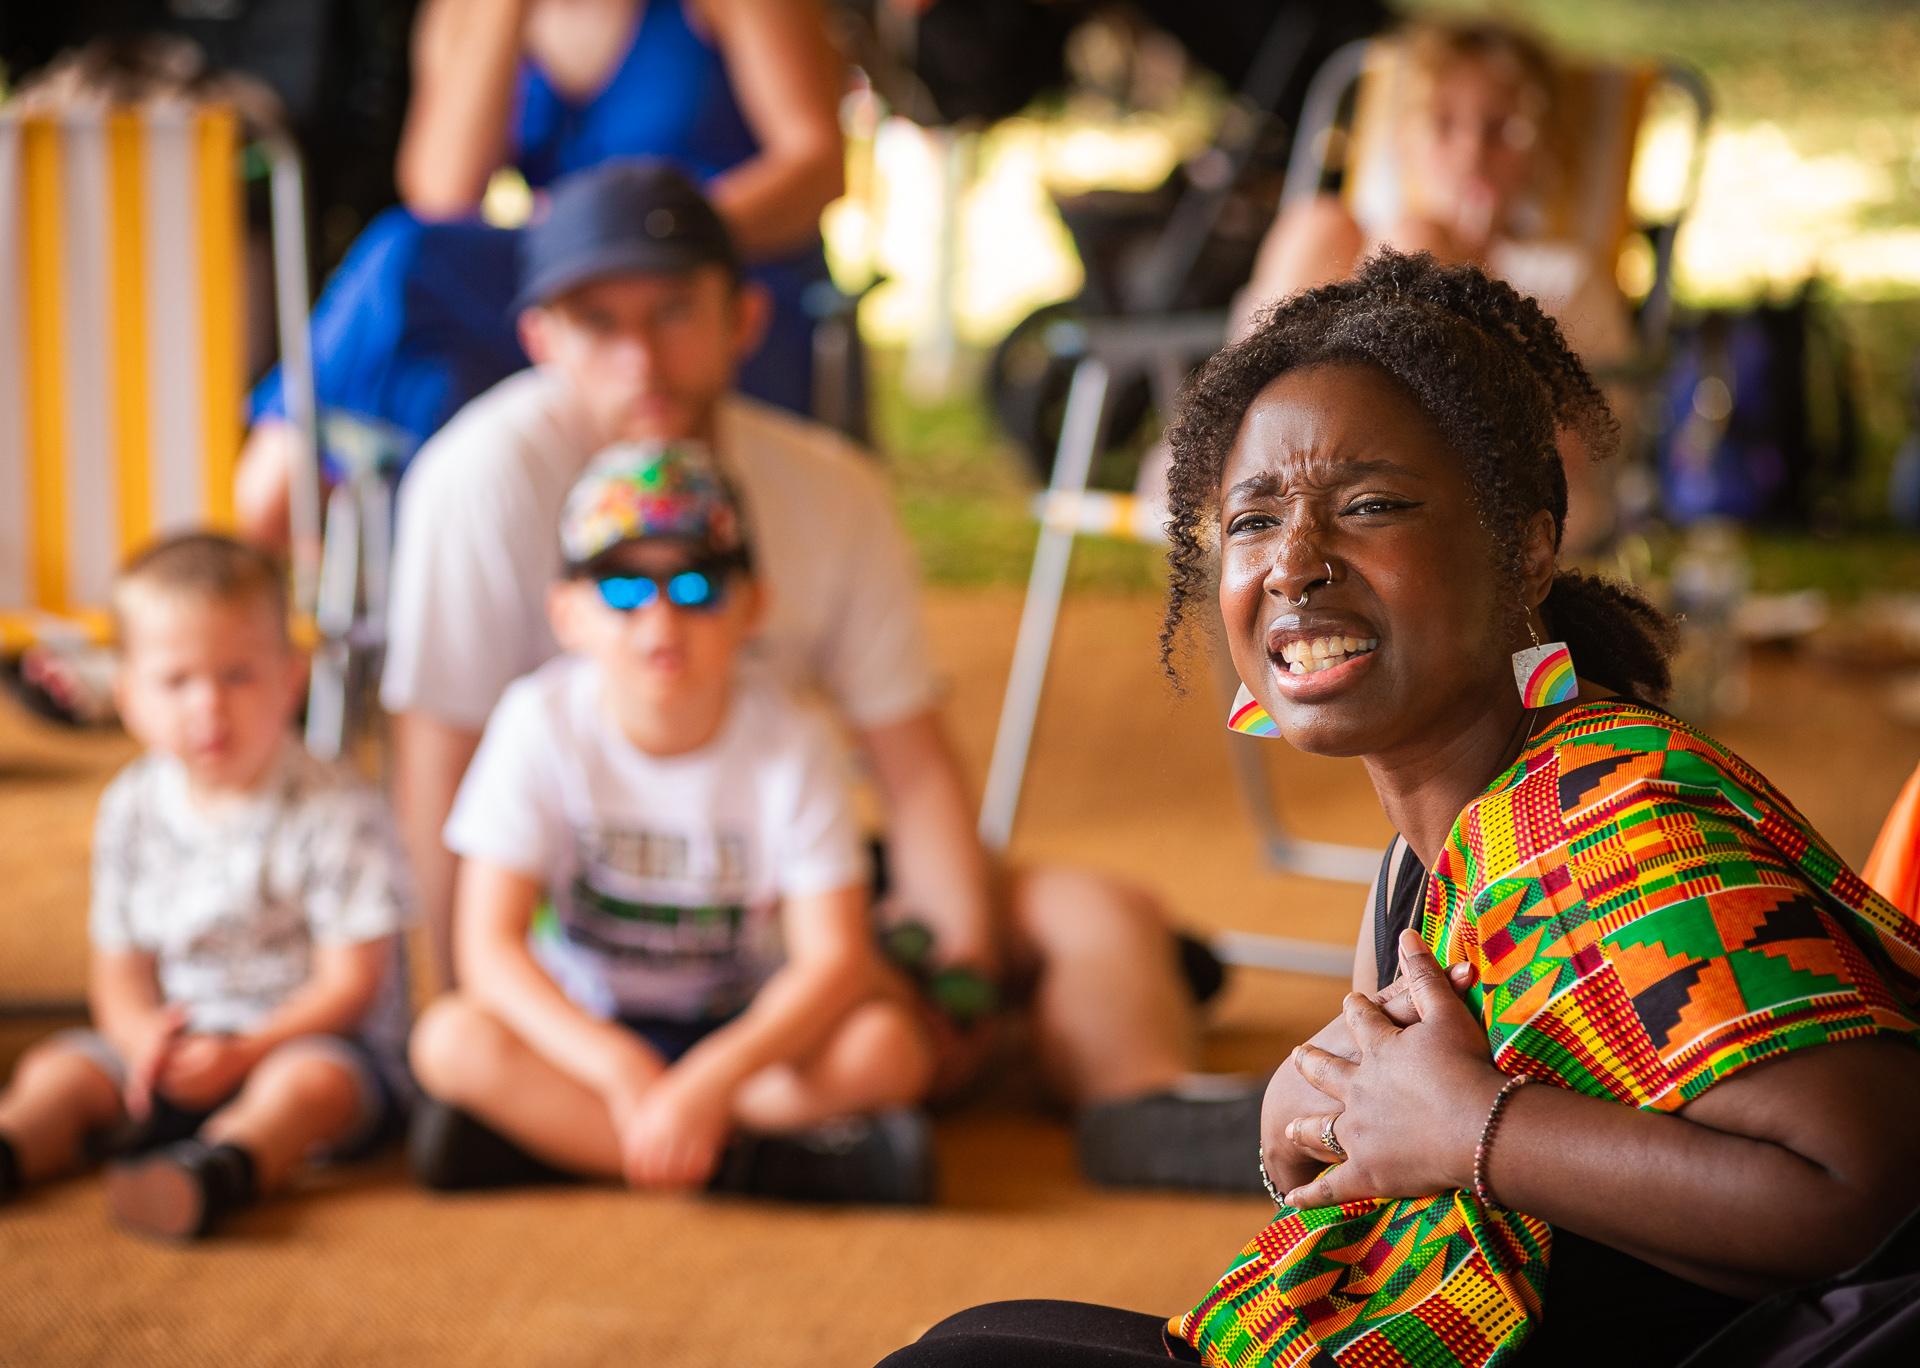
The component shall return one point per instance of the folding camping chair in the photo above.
(122, 268)
(1343, 131)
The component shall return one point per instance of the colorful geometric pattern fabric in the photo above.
(1647, 916)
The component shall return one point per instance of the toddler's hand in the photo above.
(672, 1134)
(149, 1056)
(201, 1071)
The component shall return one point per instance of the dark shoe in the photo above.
(180, 1192)
(1203, 1137)
(10, 1181)
(163, 1125)
(886, 1158)
(1204, 972)
(451, 1151)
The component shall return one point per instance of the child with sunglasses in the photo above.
(699, 1001)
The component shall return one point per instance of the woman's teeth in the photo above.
(1321, 653)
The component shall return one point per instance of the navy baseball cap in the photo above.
(625, 217)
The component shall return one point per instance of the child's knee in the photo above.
(308, 1078)
(882, 1040)
(456, 1049)
(57, 1066)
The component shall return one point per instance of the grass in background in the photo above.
(964, 489)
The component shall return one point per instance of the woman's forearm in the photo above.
(1742, 1216)
(772, 203)
(455, 136)
(788, 77)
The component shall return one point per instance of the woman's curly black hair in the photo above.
(1494, 376)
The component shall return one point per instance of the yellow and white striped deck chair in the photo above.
(122, 269)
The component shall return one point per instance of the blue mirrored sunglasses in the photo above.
(699, 591)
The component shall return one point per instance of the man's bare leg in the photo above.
(1111, 1016)
(1117, 1032)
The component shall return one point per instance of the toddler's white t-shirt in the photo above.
(231, 903)
(665, 873)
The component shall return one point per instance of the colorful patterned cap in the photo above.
(633, 492)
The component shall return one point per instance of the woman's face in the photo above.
(1472, 145)
(1335, 465)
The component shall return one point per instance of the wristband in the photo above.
(963, 995)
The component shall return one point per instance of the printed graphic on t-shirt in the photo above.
(670, 907)
(722, 859)
(659, 934)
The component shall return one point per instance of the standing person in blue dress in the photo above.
(741, 94)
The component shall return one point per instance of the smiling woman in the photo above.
(1717, 1016)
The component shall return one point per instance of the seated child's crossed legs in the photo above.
(307, 1094)
(875, 1057)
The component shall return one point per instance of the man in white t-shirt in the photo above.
(636, 317)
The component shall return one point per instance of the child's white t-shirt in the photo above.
(231, 903)
(665, 873)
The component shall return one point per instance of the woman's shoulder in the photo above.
(1610, 744)
(1623, 786)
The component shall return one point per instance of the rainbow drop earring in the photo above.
(1248, 718)
(1544, 673)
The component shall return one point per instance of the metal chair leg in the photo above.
(337, 589)
(1079, 440)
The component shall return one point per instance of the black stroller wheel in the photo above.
(1027, 383)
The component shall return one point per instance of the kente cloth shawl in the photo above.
(1647, 916)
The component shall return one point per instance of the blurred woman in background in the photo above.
(1472, 128)
(742, 94)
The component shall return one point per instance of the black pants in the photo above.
(1041, 1334)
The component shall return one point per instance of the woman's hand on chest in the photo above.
(1410, 1099)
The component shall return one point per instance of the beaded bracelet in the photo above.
(1266, 1181)
(1482, 1150)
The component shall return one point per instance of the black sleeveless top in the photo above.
(1646, 1315)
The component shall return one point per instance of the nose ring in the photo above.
(1301, 602)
